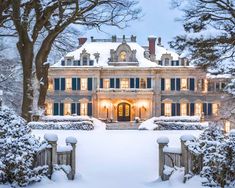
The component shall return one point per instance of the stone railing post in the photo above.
(52, 140)
(184, 150)
(72, 141)
(162, 142)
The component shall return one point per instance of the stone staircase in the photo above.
(122, 126)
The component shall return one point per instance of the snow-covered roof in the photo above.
(103, 48)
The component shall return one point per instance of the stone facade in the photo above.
(118, 79)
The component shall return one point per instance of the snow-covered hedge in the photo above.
(172, 123)
(63, 123)
(83, 125)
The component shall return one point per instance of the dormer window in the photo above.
(85, 61)
(167, 61)
(69, 62)
(123, 56)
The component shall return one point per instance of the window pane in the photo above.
(106, 83)
(67, 108)
(142, 83)
(167, 84)
(183, 109)
(215, 109)
(124, 83)
(167, 109)
(85, 60)
(83, 83)
(83, 109)
(183, 84)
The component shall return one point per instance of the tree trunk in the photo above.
(26, 54)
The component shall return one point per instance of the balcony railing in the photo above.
(124, 90)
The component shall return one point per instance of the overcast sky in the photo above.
(159, 19)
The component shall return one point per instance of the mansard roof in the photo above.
(102, 50)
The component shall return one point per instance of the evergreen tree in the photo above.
(18, 149)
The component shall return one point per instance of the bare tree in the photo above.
(30, 20)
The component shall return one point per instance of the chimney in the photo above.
(152, 43)
(159, 41)
(82, 40)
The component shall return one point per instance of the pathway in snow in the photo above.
(115, 159)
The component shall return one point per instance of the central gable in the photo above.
(123, 55)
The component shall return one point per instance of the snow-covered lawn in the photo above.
(117, 159)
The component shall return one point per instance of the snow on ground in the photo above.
(117, 159)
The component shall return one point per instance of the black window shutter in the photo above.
(89, 109)
(57, 84)
(149, 83)
(178, 85)
(56, 109)
(61, 109)
(101, 82)
(62, 82)
(137, 83)
(117, 83)
(162, 84)
(78, 84)
(172, 84)
(209, 109)
(132, 82)
(177, 63)
(205, 108)
(192, 109)
(172, 63)
(89, 83)
(73, 108)
(178, 109)
(192, 84)
(74, 83)
(78, 109)
(63, 62)
(162, 109)
(111, 82)
(188, 108)
(173, 109)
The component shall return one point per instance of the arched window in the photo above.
(122, 56)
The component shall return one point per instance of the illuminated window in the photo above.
(83, 109)
(143, 83)
(49, 108)
(215, 109)
(68, 84)
(168, 84)
(123, 56)
(50, 85)
(167, 109)
(198, 109)
(227, 126)
(67, 108)
(83, 83)
(124, 83)
(183, 109)
(183, 84)
(106, 83)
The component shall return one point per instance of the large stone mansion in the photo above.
(119, 79)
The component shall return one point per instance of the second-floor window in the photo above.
(83, 83)
(59, 84)
(124, 83)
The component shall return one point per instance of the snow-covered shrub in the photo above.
(83, 125)
(18, 149)
(218, 151)
(172, 123)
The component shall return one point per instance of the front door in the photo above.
(124, 112)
